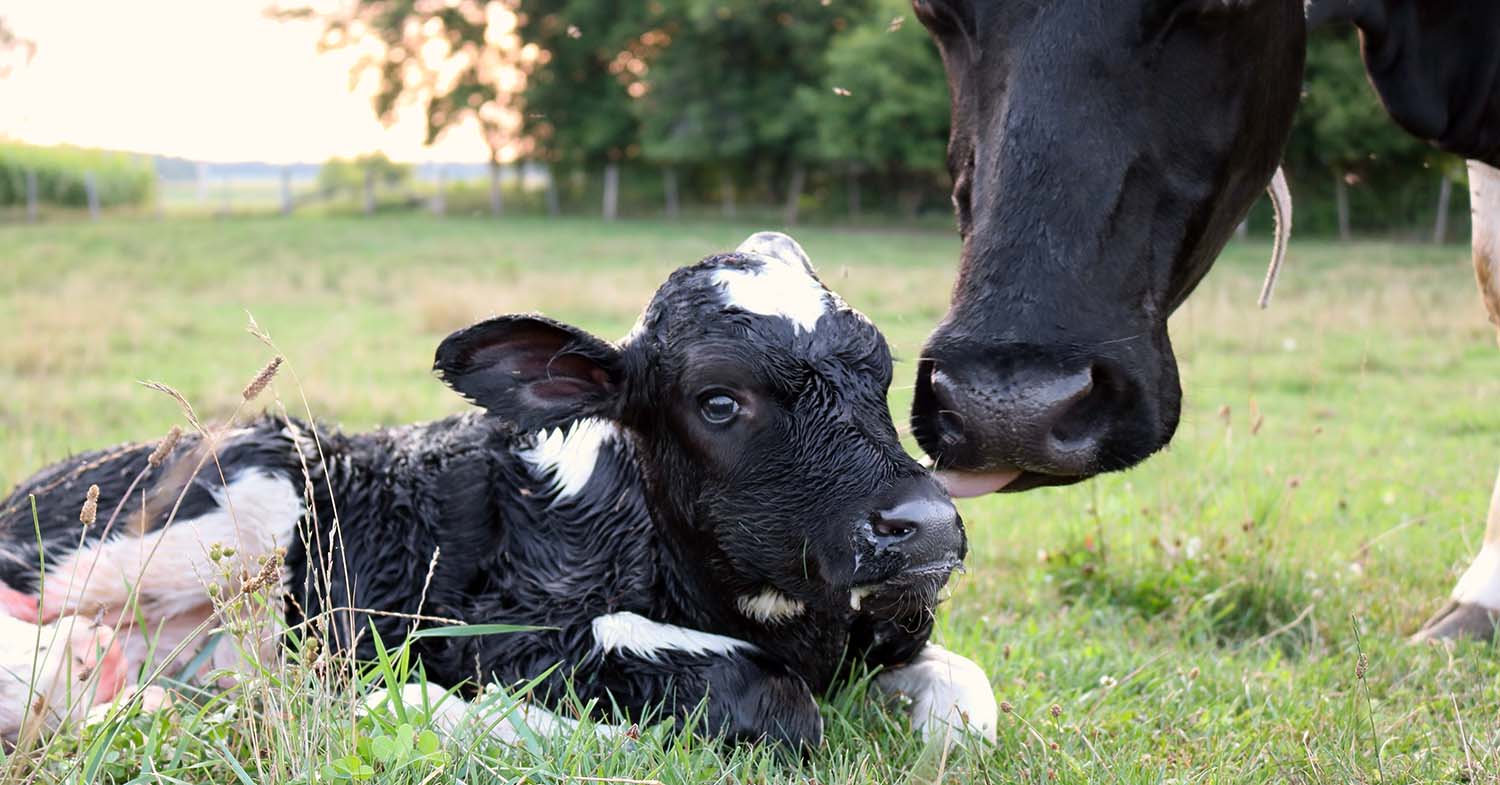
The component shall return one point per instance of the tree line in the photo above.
(802, 104)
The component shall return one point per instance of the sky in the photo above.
(215, 80)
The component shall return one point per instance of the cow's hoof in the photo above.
(1459, 620)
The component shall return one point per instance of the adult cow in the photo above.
(1102, 152)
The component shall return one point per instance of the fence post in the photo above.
(1440, 224)
(286, 190)
(369, 191)
(161, 188)
(669, 187)
(32, 197)
(91, 190)
(611, 190)
(200, 172)
(440, 194)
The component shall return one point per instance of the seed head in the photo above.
(262, 379)
(165, 447)
(1056, 711)
(1006, 708)
(90, 511)
(1362, 666)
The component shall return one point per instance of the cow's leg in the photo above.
(1474, 607)
(950, 695)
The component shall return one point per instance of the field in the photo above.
(1200, 619)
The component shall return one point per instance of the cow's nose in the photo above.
(1044, 418)
(919, 521)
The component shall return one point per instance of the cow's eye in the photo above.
(718, 408)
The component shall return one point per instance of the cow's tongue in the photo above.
(966, 484)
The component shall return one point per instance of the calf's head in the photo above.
(1102, 152)
(754, 401)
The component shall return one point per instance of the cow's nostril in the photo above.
(1083, 421)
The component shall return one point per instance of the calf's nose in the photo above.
(919, 521)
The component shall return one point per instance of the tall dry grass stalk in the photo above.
(274, 683)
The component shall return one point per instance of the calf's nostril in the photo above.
(892, 530)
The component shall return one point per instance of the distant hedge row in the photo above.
(122, 179)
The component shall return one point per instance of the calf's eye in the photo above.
(718, 408)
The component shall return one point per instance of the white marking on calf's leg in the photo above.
(569, 454)
(949, 694)
(648, 639)
(52, 672)
(167, 570)
(497, 718)
(770, 606)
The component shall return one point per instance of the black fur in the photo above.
(678, 519)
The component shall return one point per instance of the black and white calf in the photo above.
(714, 511)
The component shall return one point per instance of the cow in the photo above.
(1102, 153)
(715, 511)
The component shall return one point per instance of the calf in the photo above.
(715, 511)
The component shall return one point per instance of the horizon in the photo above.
(239, 103)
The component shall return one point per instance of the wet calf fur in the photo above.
(715, 510)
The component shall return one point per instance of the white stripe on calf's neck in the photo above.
(645, 638)
(569, 453)
(770, 606)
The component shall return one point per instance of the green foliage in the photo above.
(122, 179)
(723, 89)
(883, 104)
(576, 108)
(347, 175)
(457, 61)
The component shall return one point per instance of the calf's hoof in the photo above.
(1459, 620)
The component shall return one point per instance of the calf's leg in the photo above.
(1474, 606)
(53, 672)
(950, 695)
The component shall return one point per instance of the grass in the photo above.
(1199, 619)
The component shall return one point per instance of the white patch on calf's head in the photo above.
(648, 639)
(779, 247)
(569, 453)
(770, 607)
(782, 285)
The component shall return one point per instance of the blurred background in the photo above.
(784, 112)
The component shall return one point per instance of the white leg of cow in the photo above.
(950, 695)
(1475, 604)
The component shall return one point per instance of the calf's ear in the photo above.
(532, 371)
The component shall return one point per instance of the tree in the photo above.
(883, 104)
(1341, 127)
(459, 60)
(14, 50)
(576, 105)
(721, 90)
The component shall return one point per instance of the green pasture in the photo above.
(1199, 619)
